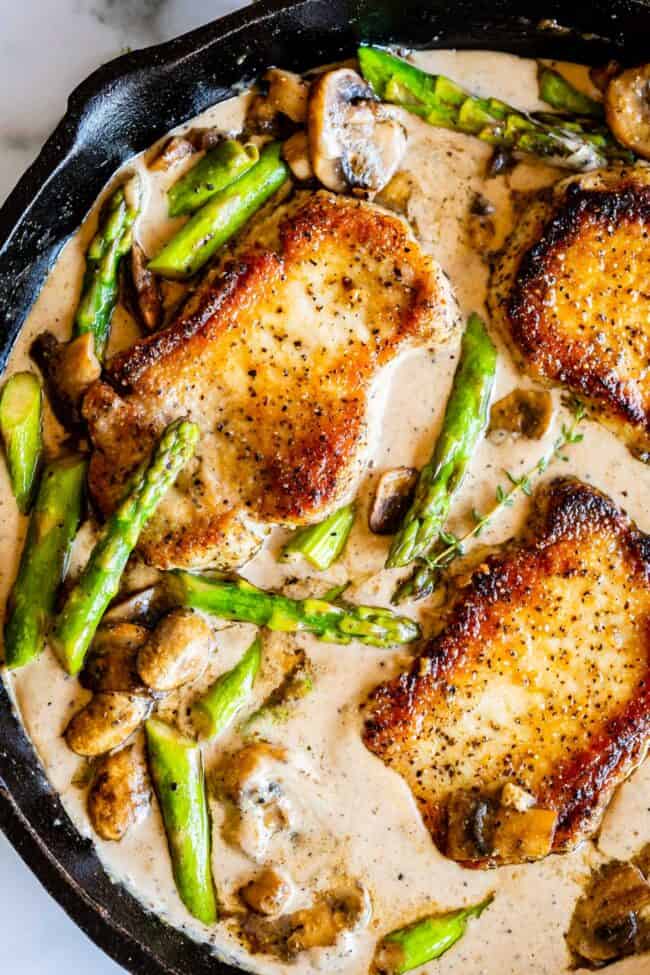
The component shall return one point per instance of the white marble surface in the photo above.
(46, 48)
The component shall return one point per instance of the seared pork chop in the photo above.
(570, 292)
(274, 359)
(521, 717)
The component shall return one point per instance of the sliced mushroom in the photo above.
(514, 797)
(248, 769)
(146, 295)
(177, 652)
(354, 142)
(69, 369)
(288, 93)
(106, 722)
(280, 106)
(523, 835)
(111, 663)
(174, 149)
(603, 74)
(485, 828)
(296, 153)
(612, 918)
(119, 795)
(319, 926)
(268, 893)
(261, 809)
(528, 412)
(627, 109)
(392, 500)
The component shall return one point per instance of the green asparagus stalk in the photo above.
(44, 560)
(425, 940)
(21, 423)
(100, 285)
(219, 168)
(239, 600)
(213, 712)
(322, 544)
(465, 419)
(443, 103)
(100, 580)
(423, 580)
(222, 217)
(177, 771)
(556, 91)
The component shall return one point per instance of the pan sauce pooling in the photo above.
(351, 817)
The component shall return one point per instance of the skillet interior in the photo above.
(117, 112)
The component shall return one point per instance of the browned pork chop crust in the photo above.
(540, 677)
(274, 360)
(570, 292)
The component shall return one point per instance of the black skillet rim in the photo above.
(119, 110)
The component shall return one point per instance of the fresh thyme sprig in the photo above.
(423, 580)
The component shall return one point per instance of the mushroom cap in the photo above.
(627, 108)
(354, 141)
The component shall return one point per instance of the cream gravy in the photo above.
(356, 818)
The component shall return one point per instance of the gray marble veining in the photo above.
(48, 46)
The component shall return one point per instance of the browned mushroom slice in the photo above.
(319, 926)
(106, 722)
(612, 918)
(391, 500)
(173, 150)
(354, 142)
(528, 412)
(288, 93)
(602, 74)
(69, 368)
(177, 652)
(510, 829)
(119, 794)
(296, 153)
(146, 296)
(111, 663)
(268, 893)
(627, 108)
(283, 102)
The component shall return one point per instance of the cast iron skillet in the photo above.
(122, 108)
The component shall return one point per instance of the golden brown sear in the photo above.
(520, 718)
(274, 359)
(570, 293)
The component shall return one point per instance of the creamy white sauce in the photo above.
(357, 819)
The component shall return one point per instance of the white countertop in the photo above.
(46, 48)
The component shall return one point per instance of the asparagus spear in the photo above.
(44, 560)
(177, 771)
(425, 940)
(239, 600)
(445, 104)
(213, 712)
(423, 581)
(100, 580)
(222, 216)
(465, 419)
(100, 285)
(323, 543)
(219, 168)
(555, 90)
(21, 421)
